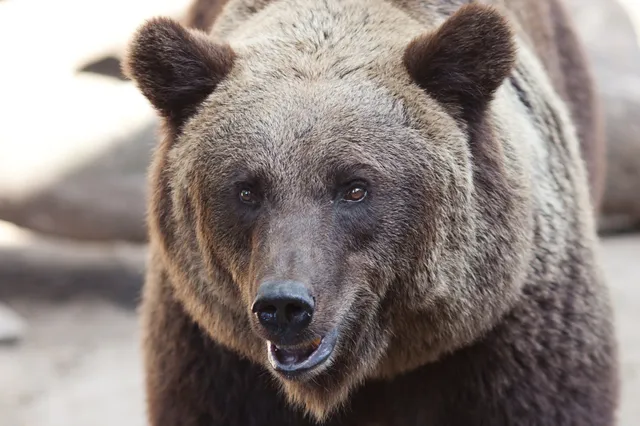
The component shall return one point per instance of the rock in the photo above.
(608, 34)
(621, 209)
(103, 199)
(82, 173)
(611, 43)
(34, 267)
(74, 151)
(12, 326)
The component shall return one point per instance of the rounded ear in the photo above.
(176, 68)
(464, 61)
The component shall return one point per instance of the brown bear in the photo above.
(373, 212)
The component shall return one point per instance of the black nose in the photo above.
(284, 308)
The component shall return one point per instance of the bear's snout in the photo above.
(283, 308)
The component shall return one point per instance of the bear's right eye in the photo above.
(355, 194)
(248, 197)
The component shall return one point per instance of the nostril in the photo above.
(267, 314)
(283, 306)
(296, 314)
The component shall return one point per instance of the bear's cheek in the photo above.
(224, 236)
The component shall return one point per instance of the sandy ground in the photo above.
(80, 362)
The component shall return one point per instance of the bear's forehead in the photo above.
(291, 111)
(301, 131)
(313, 25)
(330, 38)
(299, 126)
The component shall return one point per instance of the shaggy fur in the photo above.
(465, 287)
(547, 27)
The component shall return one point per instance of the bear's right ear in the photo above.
(463, 62)
(175, 68)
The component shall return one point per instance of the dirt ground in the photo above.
(80, 362)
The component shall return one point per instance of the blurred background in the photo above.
(75, 141)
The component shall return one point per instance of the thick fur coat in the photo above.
(465, 289)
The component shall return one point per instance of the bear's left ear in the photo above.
(176, 68)
(464, 61)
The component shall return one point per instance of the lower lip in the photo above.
(315, 360)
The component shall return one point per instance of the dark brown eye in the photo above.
(248, 197)
(355, 194)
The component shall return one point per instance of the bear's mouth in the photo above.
(294, 361)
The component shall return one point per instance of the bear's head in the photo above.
(333, 198)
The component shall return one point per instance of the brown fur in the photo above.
(549, 30)
(551, 33)
(176, 81)
(466, 289)
(203, 13)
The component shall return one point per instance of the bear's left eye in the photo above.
(355, 194)
(247, 196)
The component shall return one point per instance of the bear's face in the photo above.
(317, 215)
(321, 183)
